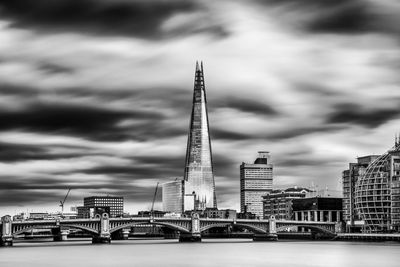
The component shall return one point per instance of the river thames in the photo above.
(210, 252)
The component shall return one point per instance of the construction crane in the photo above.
(62, 202)
(154, 199)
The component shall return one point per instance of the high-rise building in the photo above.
(255, 181)
(172, 196)
(377, 193)
(279, 202)
(199, 175)
(349, 180)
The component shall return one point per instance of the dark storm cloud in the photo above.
(355, 114)
(337, 16)
(228, 135)
(25, 91)
(90, 122)
(135, 171)
(112, 17)
(167, 166)
(10, 152)
(245, 105)
(300, 131)
(52, 68)
(305, 160)
(16, 197)
(16, 152)
(282, 134)
(19, 194)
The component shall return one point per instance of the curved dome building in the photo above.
(377, 193)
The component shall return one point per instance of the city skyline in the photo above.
(91, 101)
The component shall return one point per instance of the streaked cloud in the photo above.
(96, 95)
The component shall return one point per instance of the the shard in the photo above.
(199, 175)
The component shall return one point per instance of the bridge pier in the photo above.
(195, 234)
(101, 240)
(170, 233)
(6, 238)
(60, 234)
(265, 237)
(183, 237)
(122, 234)
(271, 235)
(104, 236)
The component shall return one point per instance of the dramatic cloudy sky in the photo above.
(95, 95)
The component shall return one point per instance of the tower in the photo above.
(199, 175)
(255, 182)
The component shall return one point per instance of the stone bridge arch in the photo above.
(168, 225)
(252, 228)
(87, 229)
(314, 228)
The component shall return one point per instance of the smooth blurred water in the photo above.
(210, 252)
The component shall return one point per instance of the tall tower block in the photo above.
(199, 175)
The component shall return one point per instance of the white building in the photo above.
(255, 181)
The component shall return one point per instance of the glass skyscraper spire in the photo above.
(199, 175)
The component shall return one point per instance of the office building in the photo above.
(96, 205)
(377, 193)
(279, 202)
(255, 182)
(198, 174)
(349, 179)
(317, 209)
(172, 196)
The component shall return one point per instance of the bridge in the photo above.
(102, 228)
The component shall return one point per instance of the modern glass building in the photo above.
(255, 182)
(349, 179)
(172, 196)
(377, 194)
(199, 175)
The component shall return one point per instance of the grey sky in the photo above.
(96, 95)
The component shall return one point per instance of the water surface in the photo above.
(210, 252)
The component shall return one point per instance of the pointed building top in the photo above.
(198, 67)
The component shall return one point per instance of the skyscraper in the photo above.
(199, 175)
(172, 196)
(255, 181)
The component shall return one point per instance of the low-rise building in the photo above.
(221, 214)
(94, 205)
(318, 209)
(279, 202)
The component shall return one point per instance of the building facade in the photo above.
(377, 193)
(199, 174)
(255, 182)
(219, 214)
(98, 204)
(318, 209)
(279, 202)
(172, 196)
(349, 180)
